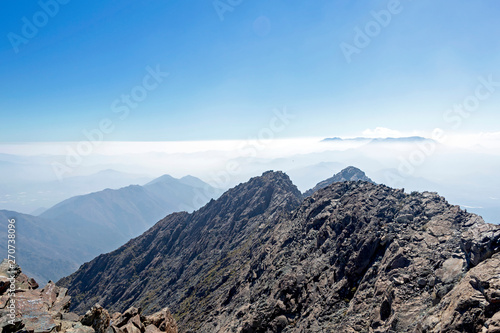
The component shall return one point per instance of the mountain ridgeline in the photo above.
(127, 212)
(353, 256)
(76, 230)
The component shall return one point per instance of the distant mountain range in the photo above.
(353, 256)
(47, 252)
(408, 139)
(34, 196)
(119, 215)
(84, 226)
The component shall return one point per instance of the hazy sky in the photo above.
(66, 68)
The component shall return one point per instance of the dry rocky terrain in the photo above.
(352, 257)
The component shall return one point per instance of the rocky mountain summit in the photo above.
(348, 174)
(175, 256)
(25, 308)
(352, 257)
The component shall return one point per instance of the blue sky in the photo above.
(227, 76)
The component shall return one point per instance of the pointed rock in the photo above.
(348, 174)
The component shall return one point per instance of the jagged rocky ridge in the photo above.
(171, 258)
(25, 308)
(353, 257)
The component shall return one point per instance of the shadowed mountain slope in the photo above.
(46, 252)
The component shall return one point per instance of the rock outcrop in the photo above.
(25, 308)
(23, 305)
(348, 174)
(473, 305)
(352, 257)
